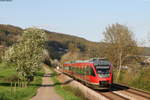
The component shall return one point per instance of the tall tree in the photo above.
(120, 44)
(27, 54)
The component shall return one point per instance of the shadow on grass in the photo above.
(7, 84)
(39, 74)
(1, 76)
(46, 75)
(52, 85)
(39, 85)
(51, 75)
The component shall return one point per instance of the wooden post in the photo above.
(15, 87)
(11, 88)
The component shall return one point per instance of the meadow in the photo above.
(11, 91)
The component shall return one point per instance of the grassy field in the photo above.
(138, 79)
(67, 92)
(8, 92)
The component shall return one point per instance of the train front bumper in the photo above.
(100, 85)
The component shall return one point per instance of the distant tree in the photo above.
(27, 54)
(73, 47)
(2, 49)
(120, 44)
(72, 54)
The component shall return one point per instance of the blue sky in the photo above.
(84, 18)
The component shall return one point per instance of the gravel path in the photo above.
(46, 91)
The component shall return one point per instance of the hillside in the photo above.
(9, 34)
(146, 51)
(57, 43)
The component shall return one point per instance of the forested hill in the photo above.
(9, 34)
(58, 43)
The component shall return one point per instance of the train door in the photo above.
(80, 76)
(87, 71)
(84, 73)
(91, 74)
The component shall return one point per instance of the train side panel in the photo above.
(87, 73)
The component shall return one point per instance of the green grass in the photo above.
(138, 79)
(11, 93)
(67, 92)
(6, 73)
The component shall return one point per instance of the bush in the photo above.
(137, 79)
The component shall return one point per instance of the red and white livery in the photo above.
(96, 72)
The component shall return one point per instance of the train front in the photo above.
(104, 74)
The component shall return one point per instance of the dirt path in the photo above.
(46, 91)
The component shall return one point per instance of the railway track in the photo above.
(131, 93)
(122, 92)
(111, 96)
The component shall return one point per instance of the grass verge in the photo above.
(139, 79)
(8, 92)
(67, 92)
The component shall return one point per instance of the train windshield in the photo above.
(102, 69)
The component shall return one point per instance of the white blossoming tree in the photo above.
(27, 54)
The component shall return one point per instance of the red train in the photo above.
(96, 72)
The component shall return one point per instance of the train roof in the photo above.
(96, 61)
(77, 61)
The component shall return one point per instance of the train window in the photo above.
(87, 71)
(66, 68)
(70, 68)
(90, 71)
(103, 69)
(73, 69)
(77, 70)
(82, 71)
